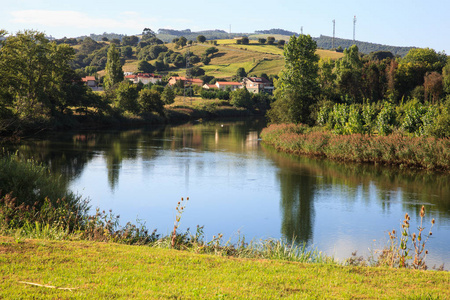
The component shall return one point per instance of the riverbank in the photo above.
(182, 111)
(80, 269)
(397, 150)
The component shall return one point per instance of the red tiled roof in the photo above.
(88, 78)
(228, 83)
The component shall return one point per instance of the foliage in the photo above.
(126, 94)
(30, 193)
(145, 67)
(35, 75)
(168, 95)
(150, 101)
(394, 149)
(201, 38)
(151, 52)
(241, 98)
(114, 73)
(297, 87)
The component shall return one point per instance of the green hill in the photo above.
(254, 58)
(326, 42)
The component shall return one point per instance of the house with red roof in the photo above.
(223, 85)
(258, 85)
(190, 81)
(145, 78)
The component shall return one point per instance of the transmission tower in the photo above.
(301, 30)
(334, 26)
(354, 26)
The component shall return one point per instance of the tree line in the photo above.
(310, 88)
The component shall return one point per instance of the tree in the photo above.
(446, 76)
(262, 41)
(34, 73)
(211, 50)
(145, 67)
(245, 40)
(240, 73)
(281, 43)
(195, 71)
(126, 94)
(150, 101)
(130, 40)
(201, 38)
(151, 52)
(147, 34)
(241, 98)
(114, 73)
(182, 41)
(168, 95)
(297, 87)
(270, 40)
(127, 52)
(433, 86)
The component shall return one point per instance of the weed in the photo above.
(409, 246)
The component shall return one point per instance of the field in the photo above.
(254, 58)
(43, 269)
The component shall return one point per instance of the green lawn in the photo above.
(106, 271)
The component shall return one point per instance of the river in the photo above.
(242, 188)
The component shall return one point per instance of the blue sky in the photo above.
(394, 22)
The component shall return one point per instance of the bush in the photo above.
(30, 193)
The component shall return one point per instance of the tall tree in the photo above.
(114, 73)
(297, 87)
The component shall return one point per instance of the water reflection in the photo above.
(239, 184)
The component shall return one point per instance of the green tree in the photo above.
(130, 40)
(240, 73)
(446, 76)
(150, 101)
(147, 34)
(181, 42)
(270, 40)
(245, 41)
(201, 38)
(145, 67)
(34, 73)
(126, 95)
(114, 73)
(211, 50)
(168, 95)
(297, 87)
(262, 41)
(241, 98)
(151, 52)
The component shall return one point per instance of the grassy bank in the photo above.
(108, 270)
(395, 149)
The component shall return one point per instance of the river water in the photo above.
(242, 188)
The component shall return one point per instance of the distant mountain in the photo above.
(167, 35)
(326, 42)
(276, 31)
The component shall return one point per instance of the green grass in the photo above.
(108, 270)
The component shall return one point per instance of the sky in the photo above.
(390, 22)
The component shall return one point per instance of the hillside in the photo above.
(323, 41)
(326, 42)
(254, 58)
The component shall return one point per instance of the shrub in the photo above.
(30, 193)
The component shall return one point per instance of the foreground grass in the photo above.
(107, 270)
